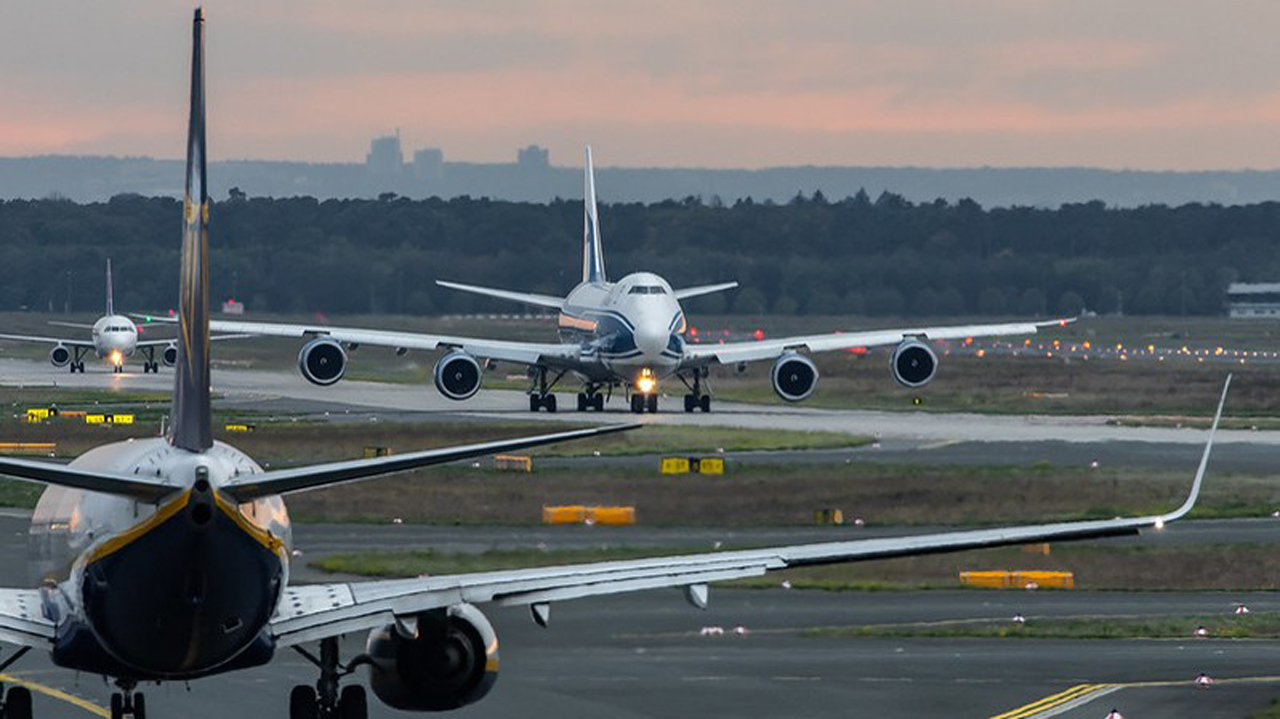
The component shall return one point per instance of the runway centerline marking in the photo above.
(58, 694)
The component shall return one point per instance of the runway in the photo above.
(254, 387)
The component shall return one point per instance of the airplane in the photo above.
(167, 559)
(113, 337)
(628, 333)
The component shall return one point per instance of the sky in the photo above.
(1122, 84)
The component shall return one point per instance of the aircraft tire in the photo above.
(17, 703)
(651, 403)
(689, 401)
(597, 401)
(353, 704)
(535, 402)
(583, 402)
(705, 403)
(549, 401)
(139, 707)
(302, 703)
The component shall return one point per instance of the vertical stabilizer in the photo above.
(190, 426)
(592, 252)
(111, 305)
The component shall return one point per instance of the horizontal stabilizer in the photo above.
(252, 486)
(527, 298)
(688, 292)
(143, 489)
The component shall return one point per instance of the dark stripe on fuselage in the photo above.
(188, 593)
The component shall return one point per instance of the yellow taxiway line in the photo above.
(58, 694)
(1054, 701)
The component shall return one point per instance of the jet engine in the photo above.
(170, 355)
(322, 361)
(60, 356)
(458, 376)
(913, 364)
(794, 377)
(448, 659)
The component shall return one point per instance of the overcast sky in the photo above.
(1151, 84)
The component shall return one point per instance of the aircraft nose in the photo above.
(651, 340)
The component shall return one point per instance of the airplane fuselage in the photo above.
(628, 327)
(175, 590)
(115, 338)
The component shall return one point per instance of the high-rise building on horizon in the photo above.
(385, 156)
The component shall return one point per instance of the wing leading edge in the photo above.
(315, 612)
(734, 352)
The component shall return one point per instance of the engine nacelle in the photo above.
(458, 376)
(794, 377)
(170, 355)
(322, 361)
(450, 661)
(60, 356)
(913, 364)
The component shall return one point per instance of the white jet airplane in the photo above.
(113, 338)
(167, 559)
(628, 334)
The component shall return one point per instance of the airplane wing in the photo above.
(688, 292)
(734, 352)
(528, 298)
(22, 619)
(46, 340)
(166, 343)
(314, 612)
(527, 353)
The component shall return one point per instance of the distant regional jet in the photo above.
(628, 333)
(167, 559)
(114, 338)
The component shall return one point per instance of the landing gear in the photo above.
(324, 701)
(117, 369)
(540, 396)
(126, 702)
(77, 360)
(150, 366)
(697, 398)
(591, 399)
(640, 403)
(17, 703)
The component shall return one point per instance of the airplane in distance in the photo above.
(113, 337)
(167, 559)
(627, 334)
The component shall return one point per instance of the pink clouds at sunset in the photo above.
(1146, 84)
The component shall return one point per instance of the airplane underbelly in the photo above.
(189, 594)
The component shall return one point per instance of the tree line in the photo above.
(882, 256)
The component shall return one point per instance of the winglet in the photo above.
(1204, 462)
(191, 426)
(592, 249)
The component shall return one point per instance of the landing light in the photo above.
(1159, 522)
(647, 383)
(117, 359)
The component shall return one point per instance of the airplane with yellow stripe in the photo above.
(167, 559)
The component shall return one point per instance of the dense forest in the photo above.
(862, 255)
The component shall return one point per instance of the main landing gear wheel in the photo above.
(150, 367)
(692, 402)
(17, 703)
(124, 703)
(324, 700)
(590, 401)
(540, 401)
(77, 367)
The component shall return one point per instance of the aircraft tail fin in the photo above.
(111, 305)
(592, 250)
(191, 421)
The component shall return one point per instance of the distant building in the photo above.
(1258, 299)
(428, 164)
(385, 157)
(533, 158)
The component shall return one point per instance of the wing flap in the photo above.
(22, 619)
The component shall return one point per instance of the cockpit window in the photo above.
(647, 290)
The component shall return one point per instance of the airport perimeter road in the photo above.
(252, 386)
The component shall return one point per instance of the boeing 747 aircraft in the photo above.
(167, 560)
(627, 334)
(113, 338)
